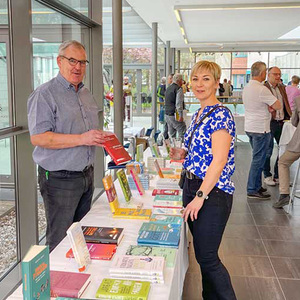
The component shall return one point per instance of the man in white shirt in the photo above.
(258, 102)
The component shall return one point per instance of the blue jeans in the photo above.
(259, 143)
(207, 232)
(67, 198)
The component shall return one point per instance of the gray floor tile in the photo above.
(291, 288)
(254, 266)
(232, 246)
(294, 221)
(241, 232)
(265, 208)
(256, 288)
(286, 267)
(280, 233)
(241, 219)
(240, 207)
(271, 219)
(283, 248)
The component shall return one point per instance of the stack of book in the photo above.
(165, 192)
(150, 163)
(123, 289)
(168, 201)
(147, 268)
(167, 183)
(144, 179)
(139, 167)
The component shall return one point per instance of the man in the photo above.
(63, 122)
(166, 131)
(161, 91)
(291, 154)
(174, 105)
(258, 100)
(278, 90)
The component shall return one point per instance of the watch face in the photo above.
(199, 193)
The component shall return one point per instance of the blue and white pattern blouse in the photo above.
(199, 156)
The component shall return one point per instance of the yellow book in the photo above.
(172, 176)
(111, 193)
(131, 213)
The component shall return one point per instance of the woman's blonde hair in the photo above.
(210, 66)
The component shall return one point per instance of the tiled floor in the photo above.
(260, 246)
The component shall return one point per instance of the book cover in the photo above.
(168, 198)
(168, 211)
(164, 238)
(36, 274)
(103, 235)
(172, 176)
(168, 253)
(98, 251)
(165, 192)
(79, 247)
(124, 184)
(131, 213)
(68, 284)
(150, 278)
(168, 203)
(139, 152)
(167, 183)
(159, 227)
(137, 182)
(116, 151)
(119, 289)
(111, 193)
(175, 220)
(138, 265)
(158, 170)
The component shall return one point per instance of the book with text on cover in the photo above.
(165, 192)
(111, 193)
(137, 182)
(103, 235)
(79, 247)
(116, 151)
(35, 273)
(124, 184)
(158, 227)
(98, 251)
(119, 289)
(132, 213)
(175, 220)
(160, 238)
(68, 284)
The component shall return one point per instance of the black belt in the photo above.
(85, 170)
(190, 175)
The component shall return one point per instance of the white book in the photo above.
(167, 211)
(167, 183)
(138, 265)
(79, 247)
(152, 279)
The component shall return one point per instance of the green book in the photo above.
(139, 152)
(124, 184)
(167, 198)
(36, 273)
(168, 253)
(153, 226)
(118, 289)
(175, 220)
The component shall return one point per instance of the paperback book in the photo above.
(36, 274)
(132, 213)
(68, 284)
(79, 247)
(103, 235)
(174, 220)
(98, 251)
(111, 193)
(158, 169)
(168, 253)
(124, 184)
(167, 211)
(119, 289)
(116, 151)
(139, 152)
(137, 182)
(168, 201)
(158, 227)
(167, 183)
(165, 192)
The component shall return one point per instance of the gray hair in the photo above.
(177, 77)
(163, 80)
(66, 44)
(257, 68)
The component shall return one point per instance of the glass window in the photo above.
(287, 74)
(8, 232)
(81, 6)
(49, 30)
(3, 12)
(284, 59)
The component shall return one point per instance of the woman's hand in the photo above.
(177, 153)
(193, 208)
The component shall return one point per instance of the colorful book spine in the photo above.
(111, 193)
(124, 184)
(165, 192)
(139, 152)
(137, 182)
(158, 170)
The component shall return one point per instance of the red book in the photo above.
(116, 151)
(98, 251)
(165, 192)
(137, 182)
(68, 284)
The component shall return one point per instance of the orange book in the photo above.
(111, 193)
(158, 169)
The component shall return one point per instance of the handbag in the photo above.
(183, 172)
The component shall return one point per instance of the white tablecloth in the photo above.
(100, 215)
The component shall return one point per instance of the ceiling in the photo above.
(218, 25)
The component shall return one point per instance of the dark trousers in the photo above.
(276, 130)
(207, 233)
(67, 198)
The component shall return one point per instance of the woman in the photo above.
(208, 189)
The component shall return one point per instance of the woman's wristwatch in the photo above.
(200, 194)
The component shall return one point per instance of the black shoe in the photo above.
(262, 190)
(283, 200)
(259, 195)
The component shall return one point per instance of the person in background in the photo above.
(293, 91)
(291, 154)
(258, 101)
(227, 88)
(208, 189)
(174, 105)
(184, 88)
(231, 88)
(278, 90)
(166, 130)
(127, 97)
(161, 91)
(63, 124)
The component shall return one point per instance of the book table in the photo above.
(100, 215)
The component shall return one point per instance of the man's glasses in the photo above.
(73, 62)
